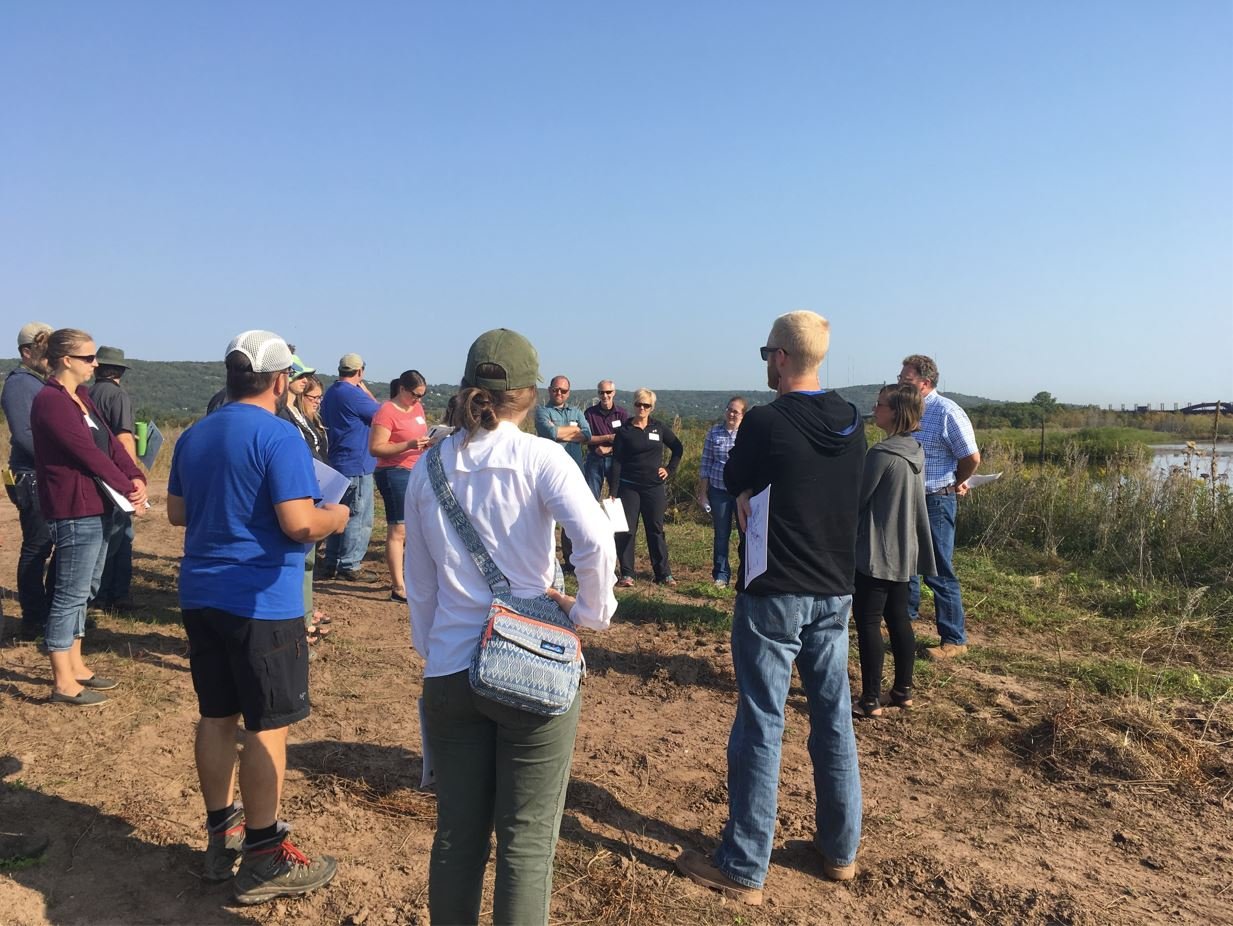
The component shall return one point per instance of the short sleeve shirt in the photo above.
(946, 436)
(403, 426)
(114, 406)
(231, 468)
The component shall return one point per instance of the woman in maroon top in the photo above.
(75, 457)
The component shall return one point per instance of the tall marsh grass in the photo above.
(1119, 517)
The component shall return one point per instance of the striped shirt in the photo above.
(947, 437)
(715, 449)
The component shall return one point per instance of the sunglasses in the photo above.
(420, 395)
(84, 358)
(607, 391)
(643, 405)
(768, 350)
(558, 389)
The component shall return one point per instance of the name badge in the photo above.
(90, 422)
(654, 435)
(616, 423)
(419, 419)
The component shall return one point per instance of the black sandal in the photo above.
(901, 697)
(867, 708)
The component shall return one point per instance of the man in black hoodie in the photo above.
(808, 448)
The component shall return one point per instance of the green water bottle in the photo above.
(143, 432)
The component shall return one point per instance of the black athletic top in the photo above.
(638, 453)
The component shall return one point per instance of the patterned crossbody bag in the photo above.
(529, 655)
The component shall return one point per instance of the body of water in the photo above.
(1166, 457)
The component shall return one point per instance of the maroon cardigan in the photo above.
(66, 459)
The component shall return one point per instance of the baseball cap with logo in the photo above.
(29, 332)
(351, 362)
(511, 352)
(266, 351)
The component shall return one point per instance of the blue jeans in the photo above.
(80, 555)
(117, 575)
(768, 635)
(947, 599)
(723, 507)
(347, 550)
(596, 469)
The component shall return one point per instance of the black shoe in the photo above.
(325, 572)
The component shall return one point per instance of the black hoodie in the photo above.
(810, 449)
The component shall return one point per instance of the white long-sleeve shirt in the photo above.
(514, 487)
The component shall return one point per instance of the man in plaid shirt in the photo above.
(951, 456)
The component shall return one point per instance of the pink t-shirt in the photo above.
(403, 426)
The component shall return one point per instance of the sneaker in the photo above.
(276, 868)
(946, 651)
(625, 582)
(666, 580)
(223, 849)
(721, 583)
(698, 868)
(833, 870)
(359, 574)
(324, 572)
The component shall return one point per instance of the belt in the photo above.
(948, 490)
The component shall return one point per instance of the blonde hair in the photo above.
(804, 336)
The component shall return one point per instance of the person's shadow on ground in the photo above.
(94, 870)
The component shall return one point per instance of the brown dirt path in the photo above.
(960, 824)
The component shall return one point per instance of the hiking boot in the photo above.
(946, 651)
(276, 868)
(223, 849)
(698, 868)
(359, 574)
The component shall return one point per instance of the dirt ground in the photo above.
(972, 812)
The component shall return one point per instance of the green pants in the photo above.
(310, 560)
(502, 769)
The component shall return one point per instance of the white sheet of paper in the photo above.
(120, 501)
(439, 431)
(331, 482)
(756, 530)
(429, 776)
(974, 481)
(616, 514)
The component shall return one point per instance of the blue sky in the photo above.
(1038, 195)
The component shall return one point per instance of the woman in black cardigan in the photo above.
(640, 475)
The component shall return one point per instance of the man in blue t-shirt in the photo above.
(347, 411)
(242, 484)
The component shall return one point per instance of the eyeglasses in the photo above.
(558, 389)
(643, 405)
(607, 392)
(768, 350)
(312, 398)
(84, 358)
(420, 395)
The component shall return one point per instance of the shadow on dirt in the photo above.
(679, 670)
(95, 870)
(380, 769)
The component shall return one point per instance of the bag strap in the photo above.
(498, 584)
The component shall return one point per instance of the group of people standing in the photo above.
(840, 521)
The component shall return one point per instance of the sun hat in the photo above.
(111, 357)
(30, 331)
(266, 351)
(514, 354)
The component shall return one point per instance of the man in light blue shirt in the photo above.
(560, 422)
(951, 456)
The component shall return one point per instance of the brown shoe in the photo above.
(698, 868)
(832, 870)
(946, 651)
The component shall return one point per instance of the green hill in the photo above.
(172, 390)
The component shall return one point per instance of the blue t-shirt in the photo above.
(347, 412)
(231, 469)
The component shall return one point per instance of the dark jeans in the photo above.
(651, 503)
(875, 600)
(36, 582)
(118, 569)
(723, 507)
(497, 768)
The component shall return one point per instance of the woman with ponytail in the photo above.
(497, 767)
